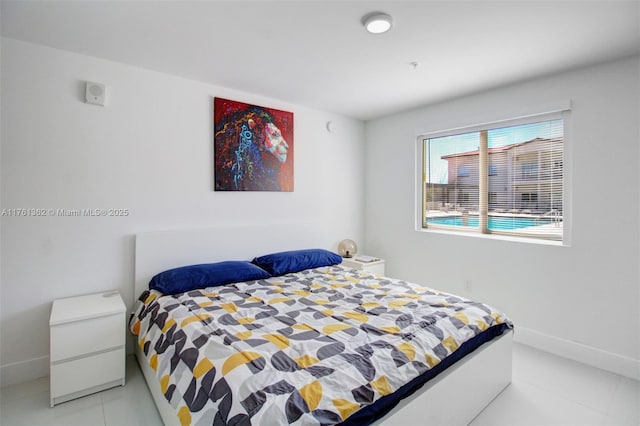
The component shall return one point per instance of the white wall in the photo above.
(150, 150)
(580, 301)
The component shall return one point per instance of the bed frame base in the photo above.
(460, 393)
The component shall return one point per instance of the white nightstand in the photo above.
(87, 345)
(375, 267)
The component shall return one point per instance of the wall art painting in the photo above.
(253, 147)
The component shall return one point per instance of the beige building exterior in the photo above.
(523, 178)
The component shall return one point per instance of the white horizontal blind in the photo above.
(524, 195)
(452, 179)
(525, 179)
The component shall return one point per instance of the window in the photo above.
(529, 170)
(521, 188)
(493, 198)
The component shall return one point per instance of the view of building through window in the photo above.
(514, 173)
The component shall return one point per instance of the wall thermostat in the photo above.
(95, 93)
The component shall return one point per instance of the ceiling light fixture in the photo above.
(377, 22)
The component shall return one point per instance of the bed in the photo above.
(355, 369)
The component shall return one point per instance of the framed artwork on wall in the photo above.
(253, 147)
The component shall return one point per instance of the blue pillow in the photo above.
(187, 278)
(297, 260)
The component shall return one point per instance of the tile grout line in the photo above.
(104, 415)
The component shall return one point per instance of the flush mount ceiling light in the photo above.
(377, 22)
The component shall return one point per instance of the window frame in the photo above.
(556, 110)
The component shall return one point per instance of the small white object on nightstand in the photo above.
(366, 263)
(87, 345)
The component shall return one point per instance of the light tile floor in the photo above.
(28, 404)
(546, 390)
(551, 390)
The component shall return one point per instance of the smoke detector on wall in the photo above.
(95, 93)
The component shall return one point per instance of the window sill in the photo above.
(508, 238)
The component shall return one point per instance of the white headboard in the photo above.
(159, 251)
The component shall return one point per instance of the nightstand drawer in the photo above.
(85, 373)
(74, 339)
(377, 268)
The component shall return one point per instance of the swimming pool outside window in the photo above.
(504, 178)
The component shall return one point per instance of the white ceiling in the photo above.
(316, 53)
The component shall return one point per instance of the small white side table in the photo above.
(87, 352)
(375, 267)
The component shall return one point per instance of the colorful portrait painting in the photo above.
(253, 147)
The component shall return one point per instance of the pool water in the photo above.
(495, 222)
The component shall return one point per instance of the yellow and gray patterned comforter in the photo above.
(306, 348)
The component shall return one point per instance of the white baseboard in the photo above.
(618, 364)
(24, 371)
